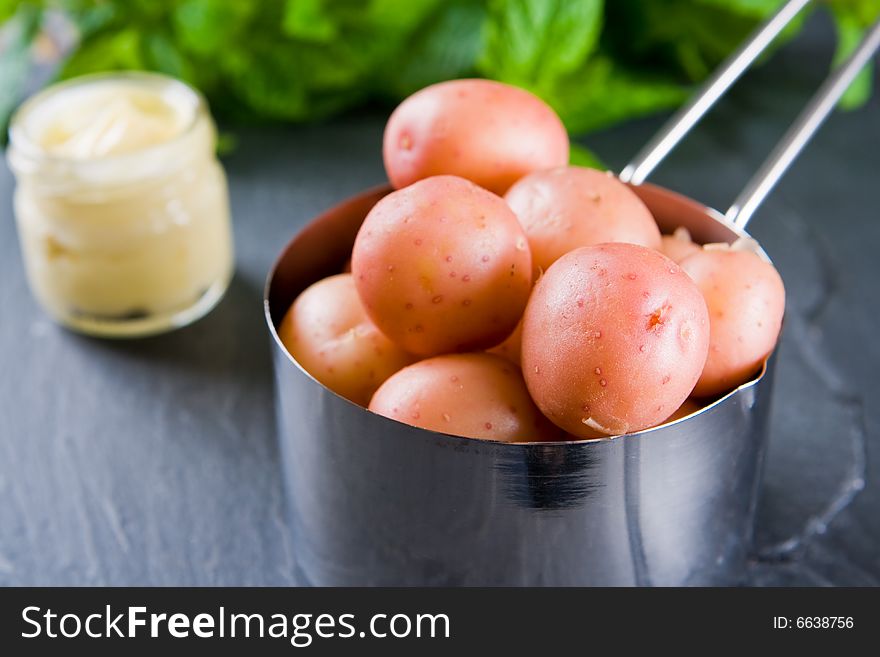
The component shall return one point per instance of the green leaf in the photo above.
(679, 37)
(533, 43)
(863, 12)
(164, 56)
(757, 8)
(394, 17)
(852, 18)
(849, 34)
(596, 62)
(227, 143)
(309, 20)
(446, 47)
(112, 51)
(581, 156)
(91, 20)
(15, 59)
(208, 27)
(285, 81)
(8, 9)
(603, 94)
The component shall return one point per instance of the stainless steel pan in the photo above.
(376, 502)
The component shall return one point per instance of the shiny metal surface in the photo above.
(376, 502)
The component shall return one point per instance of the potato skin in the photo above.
(474, 395)
(488, 132)
(327, 332)
(746, 300)
(689, 407)
(570, 207)
(614, 339)
(511, 348)
(442, 266)
(678, 246)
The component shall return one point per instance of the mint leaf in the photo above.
(163, 55)
(309, 20)
(595, 62)
(756, 8)
(533, 43)
(8, 9)
(604, 93)
(392, 17)
(208, 27)
(581, 156)
(851, 19)
(445, 47)
(110, 51)
(682, 38)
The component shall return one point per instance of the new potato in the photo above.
(679, 245)
(327, 331)
(511, 348)
(473, 395)
(570, 207)
(488, 132)
(746, 301)
(614, 338)
(442, 266)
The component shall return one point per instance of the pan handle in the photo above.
(804, 127)
(675, 129)
(794, 140)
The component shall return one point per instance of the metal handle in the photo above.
(809, 120)
(672, 132)
(794, 140)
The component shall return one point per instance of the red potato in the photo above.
(327, 332)
(511, 347)
(614, 339)
(689, 407)
(442, 266)
(570, 207)
(471, 395)
(488, 132)
(679, 245)
(746, 300)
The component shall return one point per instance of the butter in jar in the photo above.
(121, 204)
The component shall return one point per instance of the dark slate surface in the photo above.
(154, 463)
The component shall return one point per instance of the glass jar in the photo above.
(121, 204)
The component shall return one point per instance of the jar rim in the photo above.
(21, 141)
